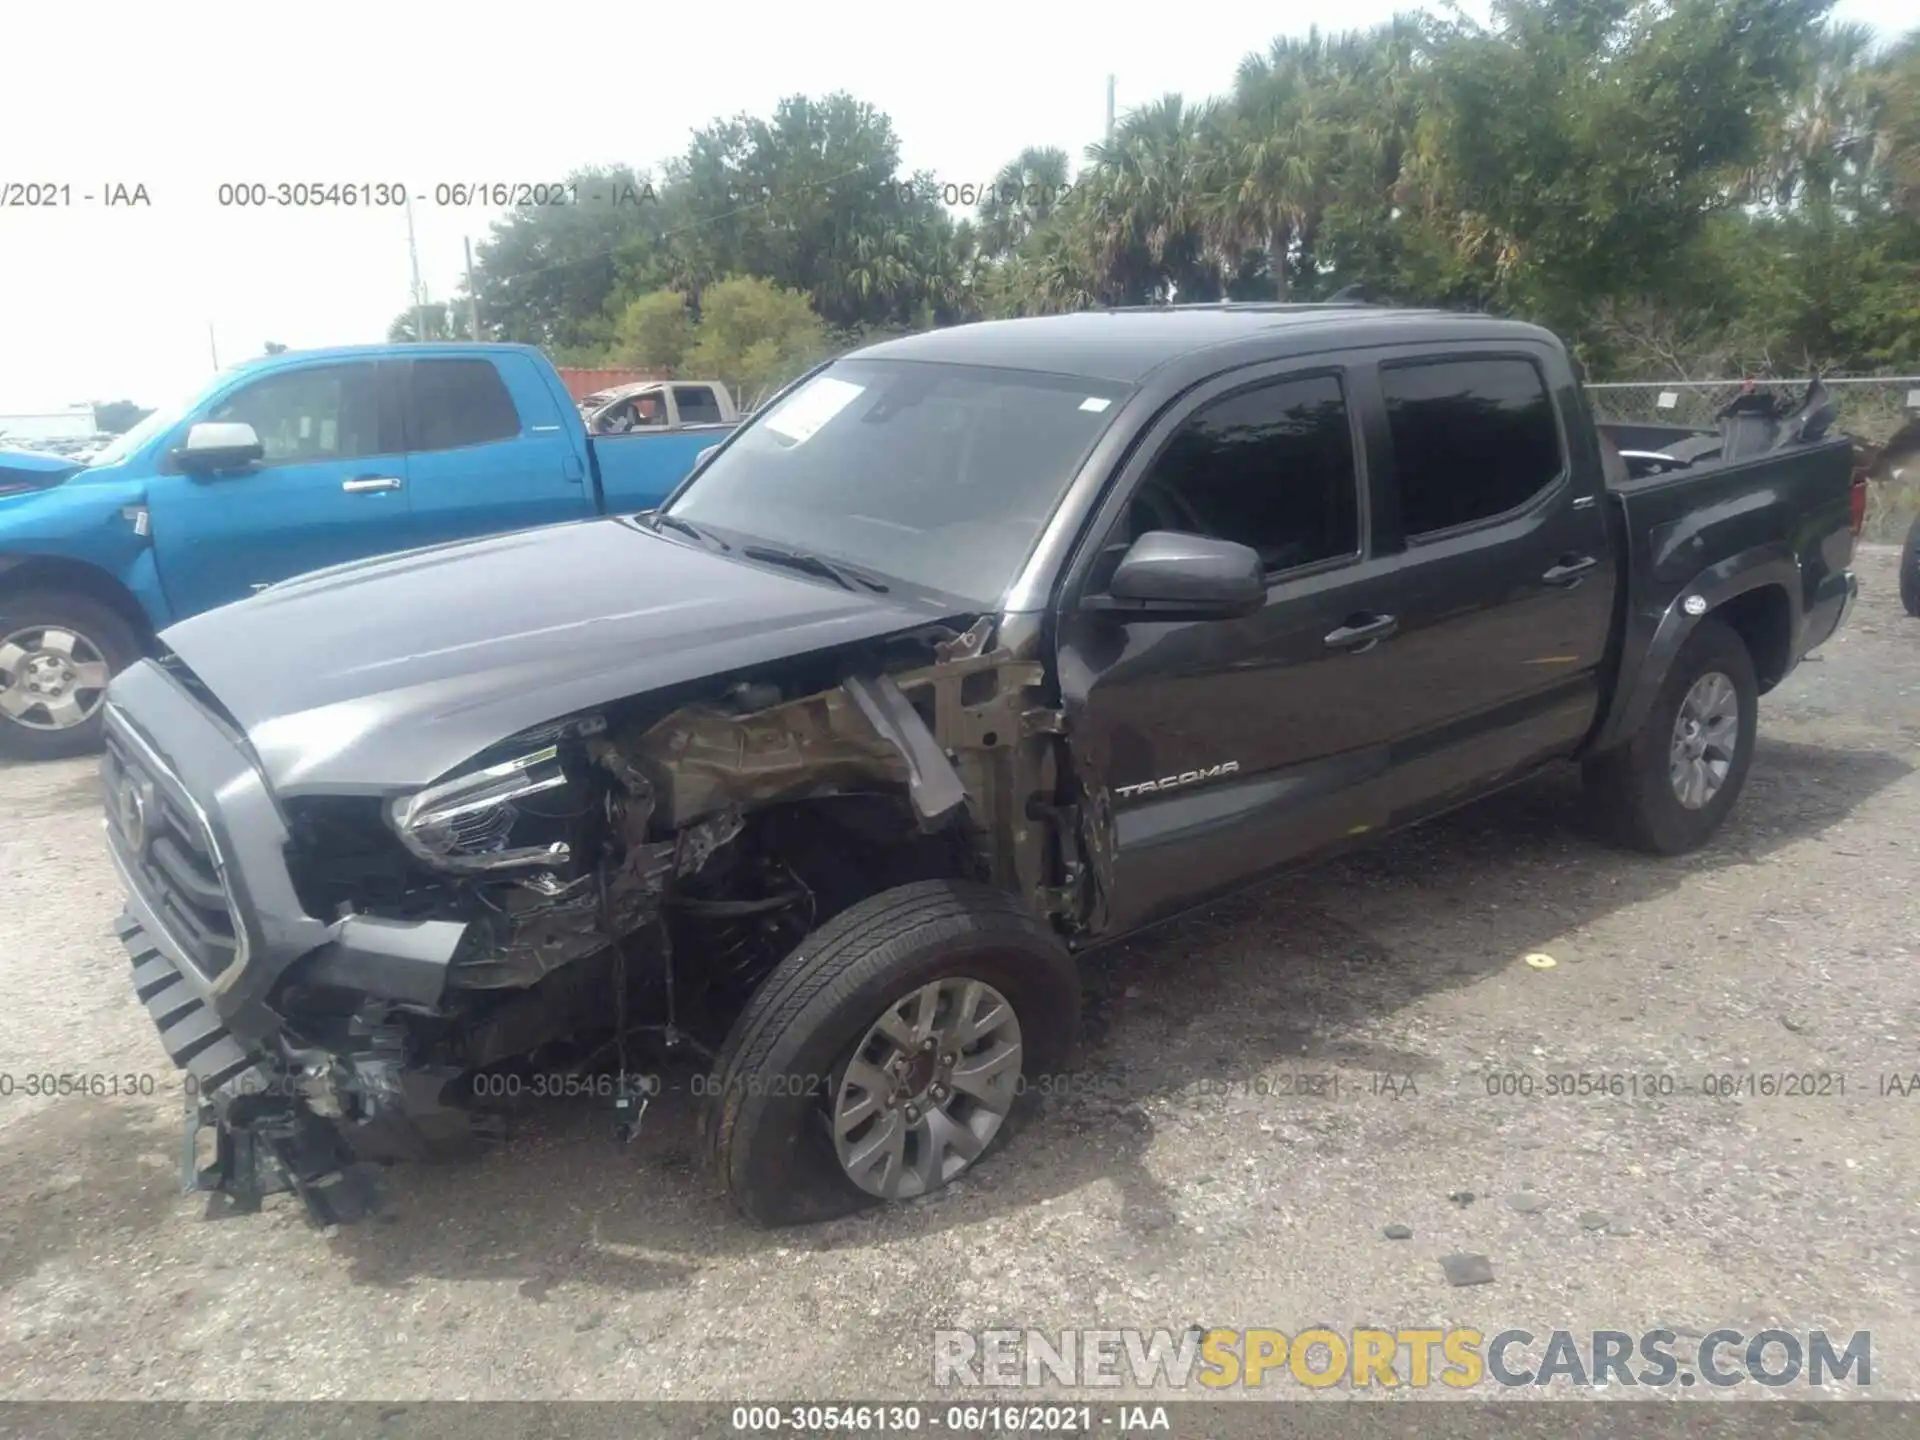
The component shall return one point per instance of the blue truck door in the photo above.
(330, 488)
(488, 448)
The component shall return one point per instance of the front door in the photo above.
(330, 488)
(1217, 750)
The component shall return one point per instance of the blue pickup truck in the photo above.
(282, 465)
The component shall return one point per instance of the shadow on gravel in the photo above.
(1273, 979)
(82, 1175)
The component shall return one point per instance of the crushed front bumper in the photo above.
(211, 924)
(267, 1138)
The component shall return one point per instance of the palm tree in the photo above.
(1146, 208)
(1823, 145)
(1897, 149)
(1311, 123)
(1025, 194)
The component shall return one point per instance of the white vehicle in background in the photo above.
(658, 405)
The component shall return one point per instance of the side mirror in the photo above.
(216, 445)
(1169, 576)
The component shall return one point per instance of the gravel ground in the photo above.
(1185, 1190)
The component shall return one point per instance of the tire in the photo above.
(1631, 789)
(1910, 569)
(767, 1113)
(98, 631)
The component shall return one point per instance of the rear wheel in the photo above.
(889, 1053)
(1910, 569)
(1667, 790)
(57, 653)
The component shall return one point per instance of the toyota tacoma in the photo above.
(973, 650)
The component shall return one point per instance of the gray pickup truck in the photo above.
(974, 650)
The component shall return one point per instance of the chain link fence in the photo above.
(1873, 410)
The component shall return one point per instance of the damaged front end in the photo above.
(605, 886)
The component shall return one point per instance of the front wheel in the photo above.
(889, 1053)
(57, 652)
(1668, 788)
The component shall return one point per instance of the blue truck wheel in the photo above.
(57, 652)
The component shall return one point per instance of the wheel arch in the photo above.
(24, 574)
(1755, 594)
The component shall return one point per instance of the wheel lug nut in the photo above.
(946, 1059)
(927, 1044)
(913, 1112)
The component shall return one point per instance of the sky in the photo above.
(103, 302)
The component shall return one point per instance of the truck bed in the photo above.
(637, 469)
(1777, 526)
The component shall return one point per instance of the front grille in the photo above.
(170, 857)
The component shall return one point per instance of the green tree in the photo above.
(655, 331)
(754, 335)
(435, 320)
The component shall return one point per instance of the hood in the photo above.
(383, 675)
(34, 469)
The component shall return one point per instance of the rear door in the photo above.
(331, 487)
(488, 448)
(1217, 750)
(1506, 597)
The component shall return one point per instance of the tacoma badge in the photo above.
(1173, 782)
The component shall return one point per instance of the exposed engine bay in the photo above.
(625, 879)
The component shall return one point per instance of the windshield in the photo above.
(158, 423)
(941, 476)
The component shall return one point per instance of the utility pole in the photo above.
(1109, 109)
(473, 296)
(212, 348)
(419, 294)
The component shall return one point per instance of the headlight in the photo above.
(467, 823)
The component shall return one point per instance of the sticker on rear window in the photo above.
(802, 415)
(1095, 403)
(1668, 399)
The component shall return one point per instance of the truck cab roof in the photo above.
(385, 351)
(1128, 344)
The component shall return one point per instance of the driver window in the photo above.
(1270, 467)
(326, 412)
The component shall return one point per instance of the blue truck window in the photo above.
(457, 403)
(1472, 439)
(324, 412)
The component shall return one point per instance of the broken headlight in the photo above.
(468, 823)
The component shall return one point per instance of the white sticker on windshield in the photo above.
(1095, 404)
(1668, 399)
(801, 416)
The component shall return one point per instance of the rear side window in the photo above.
(1471, 439)
(456, 403)
(1271, 467)
(696, 405)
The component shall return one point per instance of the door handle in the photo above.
(1569, 570)
(362, 484)
(1368, 631)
